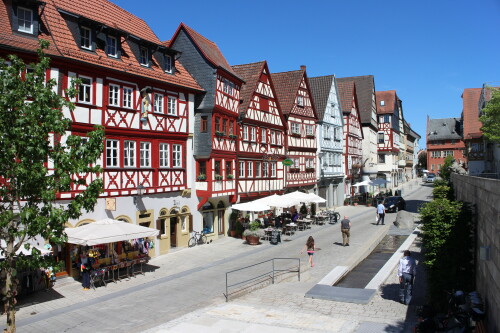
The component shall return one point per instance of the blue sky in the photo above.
(427, 50)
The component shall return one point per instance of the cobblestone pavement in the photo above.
(182, 292)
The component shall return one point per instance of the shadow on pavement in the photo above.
(37, 297)
(412, 206)
(338, 243)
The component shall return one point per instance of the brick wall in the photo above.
(485, 194)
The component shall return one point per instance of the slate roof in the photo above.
(346, 93)
(250, 73)
(389, 97)
(444, 129)
(63, 44)
(209, 49)
(472, 124)
(320, 90)
(365, 86)
(287, 85)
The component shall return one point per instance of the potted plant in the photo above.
(218, 177)
(219, 133)
(230, 176)
(254, 233)
(346, 202)
(202, 177)
(232, 223)
(238, 227)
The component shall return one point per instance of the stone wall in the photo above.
(485, 194)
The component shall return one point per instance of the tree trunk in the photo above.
(11, 287)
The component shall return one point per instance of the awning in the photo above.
(251, 206)
(23, 250)
(107, 231)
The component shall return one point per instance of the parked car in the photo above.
(430, 178)
(394, 204)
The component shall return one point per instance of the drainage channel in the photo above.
(369, 267)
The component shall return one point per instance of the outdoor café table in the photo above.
(122, 265)
(320, 219)
(109, 274)
(268, 233)
(307, 222)
(138, 269)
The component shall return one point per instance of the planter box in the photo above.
(253, 240)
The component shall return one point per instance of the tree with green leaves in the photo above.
(491, 117)
(33, 137)
(446, 169)
(422, 160)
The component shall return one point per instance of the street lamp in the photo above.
(140, 191)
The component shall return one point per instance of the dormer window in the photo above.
(144, 56)
(85, 38)
(300, 101)
(112, 46)
(168, 63)
(25, 20)
(382, 103)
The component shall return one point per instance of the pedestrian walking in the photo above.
(345, 227)
(85, 267)
(406, 272)
(381, 213)
(310, 248)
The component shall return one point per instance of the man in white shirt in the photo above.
(381, 213)
(406, 272)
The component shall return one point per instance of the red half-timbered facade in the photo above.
(261, 130)
(131, 84)
(353, 152)
(296, 102)
(216, 114)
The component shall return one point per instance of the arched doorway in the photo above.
(221, 210)
(173, 220)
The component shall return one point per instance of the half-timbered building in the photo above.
(294, 96)
(261, 127)
(330, 140)
(365, 90)
(353, 134)
(216, 114)
(132, 85)
(390, 145)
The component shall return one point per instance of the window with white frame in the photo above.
(25, 20)
(273, 137)
(168, 63)
(242, 169)
(112, 153)
(144, 56)
(253, 134)
(338, 133)
(309, 130)
(85, 90)
(436, 154)
(381, 137)
(295, 128)
(129, 154)
(111, 46)
(250, 169)
(300, 100)
(296, 163)
(257, 169)
(85, 38)
(164, 155)
(447, 153)
(326, 130)
(263, 135)
(273, 169)
(145, 155)
(265, 169)
(114, 94)
(245, 132)
(228, 86)
(177, 156)
(278, 138)
(172, 106)
(127, 97)
(158, 103)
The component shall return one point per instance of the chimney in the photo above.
(303, 67)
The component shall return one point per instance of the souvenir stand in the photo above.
(115, 249)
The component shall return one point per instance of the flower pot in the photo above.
(232, 233)
(253, 240)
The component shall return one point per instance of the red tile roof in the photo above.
(347, 91)
(287, 85)
(250, 73)
(209, 49)
(389, 97)
(62, 42)
(472, 125)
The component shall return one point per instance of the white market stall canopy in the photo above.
(301, 197)
(252, 206)
(107, 231)
(278, 201)
(22, 249)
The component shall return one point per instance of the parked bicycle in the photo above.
(197, 238)
(333, 215)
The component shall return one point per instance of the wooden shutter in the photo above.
(190, 217)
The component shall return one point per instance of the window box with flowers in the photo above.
(309, 169)
(202, 177)
(233, 136)
(218, 177)
(230, 176)
(220, 134)
(310, 136)
(295, 134)
(294, 170)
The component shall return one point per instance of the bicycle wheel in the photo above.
(203, 239)
(192, 242)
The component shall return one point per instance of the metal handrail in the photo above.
(226, 295)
